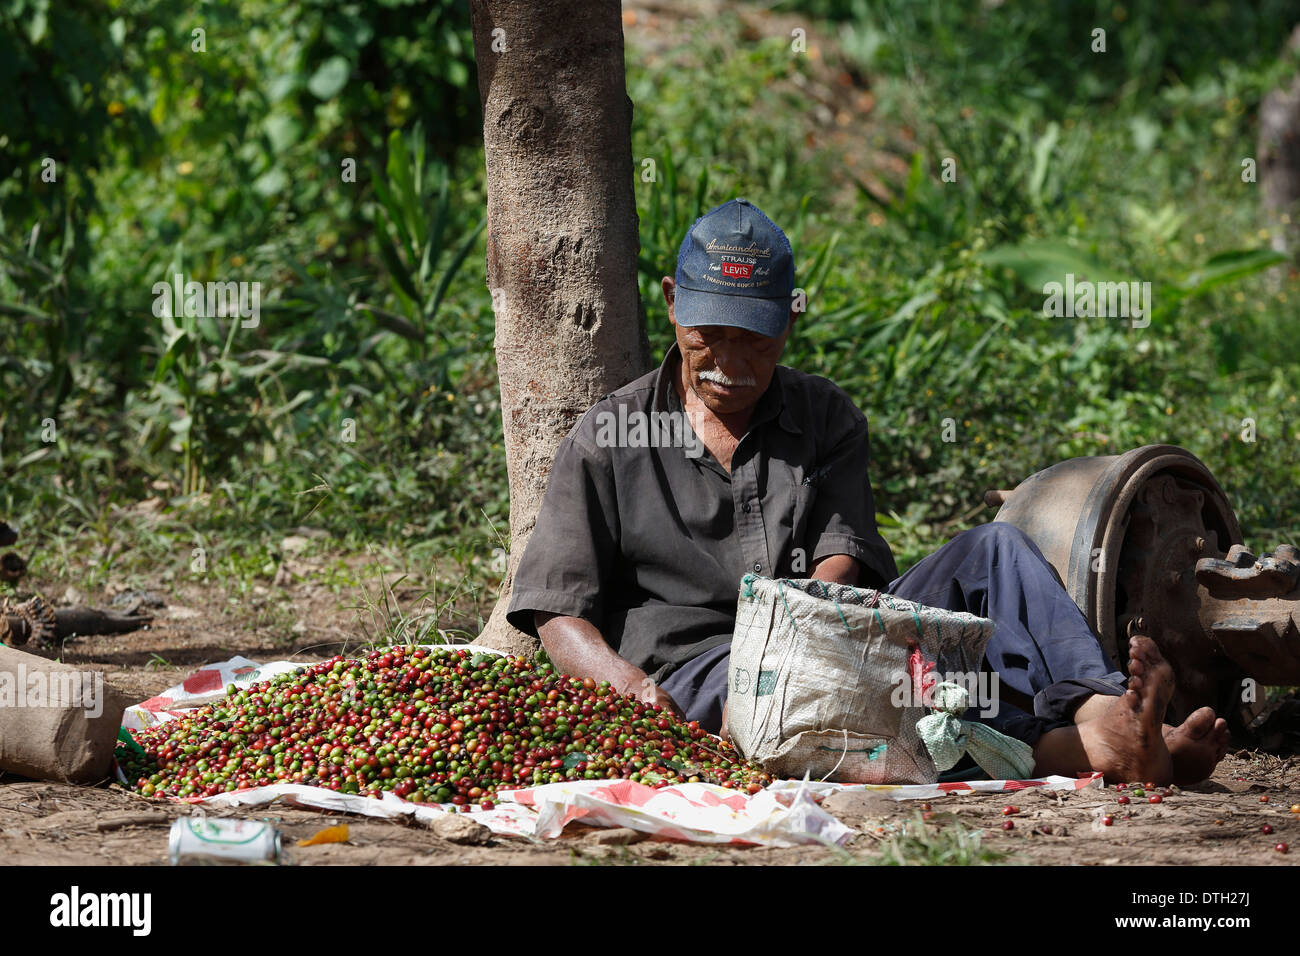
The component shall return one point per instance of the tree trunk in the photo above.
(562, 238)
(1279, 157)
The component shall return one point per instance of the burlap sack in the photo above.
(820, 680)
(56, 722)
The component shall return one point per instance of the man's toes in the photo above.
(1222, 738)
(1155, 680)
(1142, 648)
(1197, 745)
(1201, 722)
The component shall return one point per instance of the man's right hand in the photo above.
(576, 647)
(652, 693)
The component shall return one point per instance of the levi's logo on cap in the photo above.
(737, 267)
(733, 261)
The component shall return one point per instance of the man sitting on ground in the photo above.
(722, 462)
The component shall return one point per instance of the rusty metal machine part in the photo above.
(12, 565)
(1252, 607)
(1139, 542)
(1154, 584)
(36, 621)
(29, 620)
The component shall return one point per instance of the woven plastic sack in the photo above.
(826, 679)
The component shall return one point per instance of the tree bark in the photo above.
(1279, 156)
(562, 237)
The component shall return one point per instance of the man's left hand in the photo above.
(838, 569)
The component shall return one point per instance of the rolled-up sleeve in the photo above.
(571, 552)
(843, 515)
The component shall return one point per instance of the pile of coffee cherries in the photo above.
(431, 725)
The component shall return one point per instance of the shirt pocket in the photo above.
(805, 495)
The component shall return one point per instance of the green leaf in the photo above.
(403, 201)
(271, 182)
(38, 25)
(32, 456)
(881, 333)
(1161, 225)
(572, 760)
(1145, 132)
(915, 177)
(389, 205)
(1042, 155)
(1040, 261)
(441, 216)
(454, 266)
(405, 191)
(330, 77)
(281, 86)
(400, 273)
(819, 268)
(177, 340)
(282, 130)
(1229, 267)
(1000, 321)
(19, 308)
(457, 73)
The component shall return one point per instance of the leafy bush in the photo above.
(365, 399)
(928, 306)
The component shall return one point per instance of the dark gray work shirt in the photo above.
(644, 534)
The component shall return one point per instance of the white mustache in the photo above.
(714, 375)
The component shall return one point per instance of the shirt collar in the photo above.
(771, 404)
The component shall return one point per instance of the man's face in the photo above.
(728, 368)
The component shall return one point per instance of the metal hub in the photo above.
(1139, 542)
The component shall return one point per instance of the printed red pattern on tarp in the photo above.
(626, 792)
(736, 803)
(203, 682)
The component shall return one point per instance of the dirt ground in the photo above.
(1217, 822)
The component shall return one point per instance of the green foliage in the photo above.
(415, 214)
(951, 846)
(915, 843)
(365, 400)
(1043, 53)
(927, 306)
(69, 60)
(216, 142)
(384, 621)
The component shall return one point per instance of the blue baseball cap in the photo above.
(735, 268)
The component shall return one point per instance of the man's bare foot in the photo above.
(1197, 745)
(1127, 743)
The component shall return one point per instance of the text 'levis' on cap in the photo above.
(735, 268)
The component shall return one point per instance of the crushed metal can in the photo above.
(200, 841)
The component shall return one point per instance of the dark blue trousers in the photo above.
(1042, 647)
